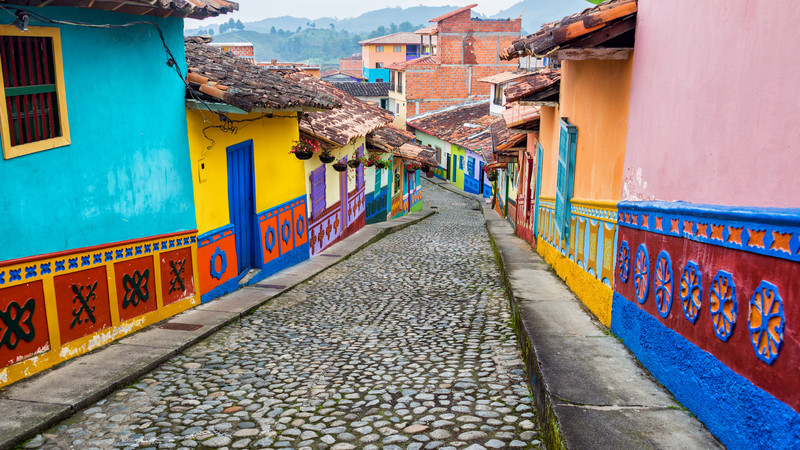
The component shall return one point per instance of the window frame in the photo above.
(378, 49)
(58, 69)
(397, 48)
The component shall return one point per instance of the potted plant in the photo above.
(413, 167)
(339, 167)
(354, 162)
(326, 157)
(304, 148)
(369, 162)
(425, 168)
(491, 175)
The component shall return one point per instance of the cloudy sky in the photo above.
(252, 10)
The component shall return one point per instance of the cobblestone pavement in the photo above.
(407, 344)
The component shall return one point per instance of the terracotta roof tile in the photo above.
(540, 82)
(389, 138)
(194, 9)
(524, 117)
(453, 13)
(232, 80)
(505, 77)
(405, 37)
(415, 62)
(464, 125)
(354, 119)
(561, 34)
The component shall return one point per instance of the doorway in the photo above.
(242, 202)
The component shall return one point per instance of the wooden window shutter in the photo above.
(317, 178)
(566, 175)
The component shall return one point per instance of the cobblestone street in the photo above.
(407, 344)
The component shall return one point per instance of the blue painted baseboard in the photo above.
(224, 288)
(737, 412)
(288, 259)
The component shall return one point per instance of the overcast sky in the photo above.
(252, 10)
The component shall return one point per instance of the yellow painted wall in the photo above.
(278, 174)
(401, 114)
(595, 96)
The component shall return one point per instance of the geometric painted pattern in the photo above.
(624, 261)
(691, 291)
(663, 284)
(766, 322)
(641, 274)
(723, 305)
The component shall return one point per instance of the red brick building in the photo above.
(467, 51)
(351, 65)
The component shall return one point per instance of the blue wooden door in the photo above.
(241, 201)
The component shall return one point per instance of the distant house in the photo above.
(501, 81)
(310, 69)
(352, 65)
(99, 232)
(459, 135)
(377, 93)
(335, 75)
(244, 50)
(249, 195)
(466, 51)
(379, 52)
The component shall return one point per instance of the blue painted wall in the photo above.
(373, 74)
(726, 402)
(127, 172)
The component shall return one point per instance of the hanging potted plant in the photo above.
(354, 161)
(339, 166)
(326, 157)
(369, 162)
(412, 167)
(491, 175)
(304, 148)
(425, 168)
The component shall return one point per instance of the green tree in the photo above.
(273, 30)
(239, 25)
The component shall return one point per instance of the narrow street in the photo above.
(408, 344)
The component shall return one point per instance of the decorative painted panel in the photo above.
(733, 291)
(216, 258)
(325, 230)
(23, 320)
(355, 205)
(82, 309)
(177, 275)
(82, 303)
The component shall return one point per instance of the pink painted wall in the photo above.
(715, 103)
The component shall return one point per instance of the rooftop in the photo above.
(453, 13)
(543, 82)
(340, 126)
(505, 77)
(603, 22)
(405, 37)
(223, 77)
(412, 62)
(193, 9)
(466, 125)
(362, 89)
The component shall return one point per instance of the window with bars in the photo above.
(34, 116)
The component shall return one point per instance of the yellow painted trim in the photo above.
(597, 204)
(593, 217)
(58, 68)
(591, 291)
(542, 198)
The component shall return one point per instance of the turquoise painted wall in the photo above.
(127, 172)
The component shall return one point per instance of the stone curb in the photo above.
(37, 403)
(589, 390)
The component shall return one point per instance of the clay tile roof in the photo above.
(567, 31)
(433, 29)
(502, 138)
(505, 77)
(523, 117)
(453, 13)
(404, 37)
(464, 125)
(414, 62)
(223, 77)
(389, 138)
(362, 89)
(354, 119)
(194, 9)
(542, 82)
